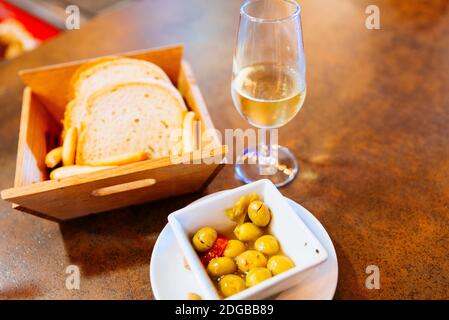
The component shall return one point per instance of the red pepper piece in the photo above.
(216, 251)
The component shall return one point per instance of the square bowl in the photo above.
(296, 240)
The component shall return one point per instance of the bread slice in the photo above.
(100, 73)
(74, 114)
(110, 71)
(128, 118)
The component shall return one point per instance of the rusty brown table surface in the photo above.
(372, 141)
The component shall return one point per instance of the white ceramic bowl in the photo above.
(296, 240)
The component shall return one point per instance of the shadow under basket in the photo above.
(44, 101)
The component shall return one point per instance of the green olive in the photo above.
(279, 264)
(257, 275)
(218, 267)
(231, 284)
(238, 212)
(234, 248)
(251, 259)
(267, 244)
(259, 213)
(204, 239)
(247, 232)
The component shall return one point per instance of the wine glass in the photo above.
(268, 85)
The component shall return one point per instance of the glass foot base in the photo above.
(286, 168)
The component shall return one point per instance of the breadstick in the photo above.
(68, 171)
(188, 133)
(53, 157)
(69, 147)
(123, 159)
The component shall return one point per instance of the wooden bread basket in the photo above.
(44, 101)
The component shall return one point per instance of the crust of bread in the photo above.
(83, 68)
(94, 67)
(99, 93)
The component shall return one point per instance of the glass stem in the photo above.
(267, 155)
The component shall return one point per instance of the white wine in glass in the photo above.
(267, 95)
(268, 86)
